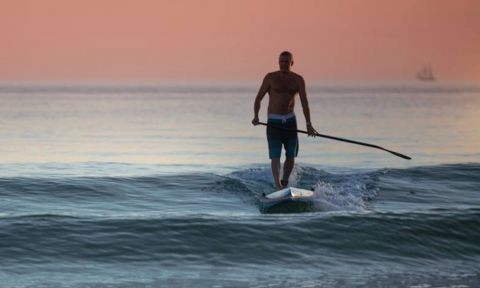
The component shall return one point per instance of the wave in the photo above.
(354, 191)
(207, 218)
(228, 240)
(446, 185)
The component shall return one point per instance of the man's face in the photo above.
(285, 62)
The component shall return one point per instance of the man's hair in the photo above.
(286, 53)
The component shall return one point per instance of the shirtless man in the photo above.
(282, 86)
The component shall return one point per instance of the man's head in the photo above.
(285, 61)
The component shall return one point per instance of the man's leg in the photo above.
(291, 151)
(276, 172)
(287, 169)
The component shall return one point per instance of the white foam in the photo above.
(332, 192)
(254, 174)
(334, 198)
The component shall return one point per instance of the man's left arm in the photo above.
(306, 110)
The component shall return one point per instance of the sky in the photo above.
(231, 40)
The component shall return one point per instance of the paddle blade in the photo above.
(400, 155)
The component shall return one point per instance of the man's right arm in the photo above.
(261, 93)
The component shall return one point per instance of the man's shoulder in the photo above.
(271, 74)
(297, 76)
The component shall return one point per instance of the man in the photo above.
(282, 86)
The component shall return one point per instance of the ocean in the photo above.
(156, 185)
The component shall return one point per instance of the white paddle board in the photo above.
(288, 200)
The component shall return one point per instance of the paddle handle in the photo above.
(340, 139)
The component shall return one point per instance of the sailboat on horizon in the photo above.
(426, 74)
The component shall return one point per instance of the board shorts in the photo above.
(279, 137)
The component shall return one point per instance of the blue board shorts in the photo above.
(279, 137)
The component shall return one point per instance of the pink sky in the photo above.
(223, 40)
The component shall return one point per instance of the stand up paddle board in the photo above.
(288, 200)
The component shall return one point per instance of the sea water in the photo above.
(156, 185)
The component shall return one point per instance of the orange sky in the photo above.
(217, 40)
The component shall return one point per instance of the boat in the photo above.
(426, 74)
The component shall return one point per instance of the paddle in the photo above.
(340, 139)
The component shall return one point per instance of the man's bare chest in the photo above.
(284, 86)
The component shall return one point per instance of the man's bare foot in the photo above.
(284, 183)
(278, 186)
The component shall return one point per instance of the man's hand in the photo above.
(255, 121)
(311, 131)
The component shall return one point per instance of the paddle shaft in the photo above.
(339, 139)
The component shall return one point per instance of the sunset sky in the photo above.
(223, 40)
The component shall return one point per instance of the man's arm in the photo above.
(261, 93)
(306, 110)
